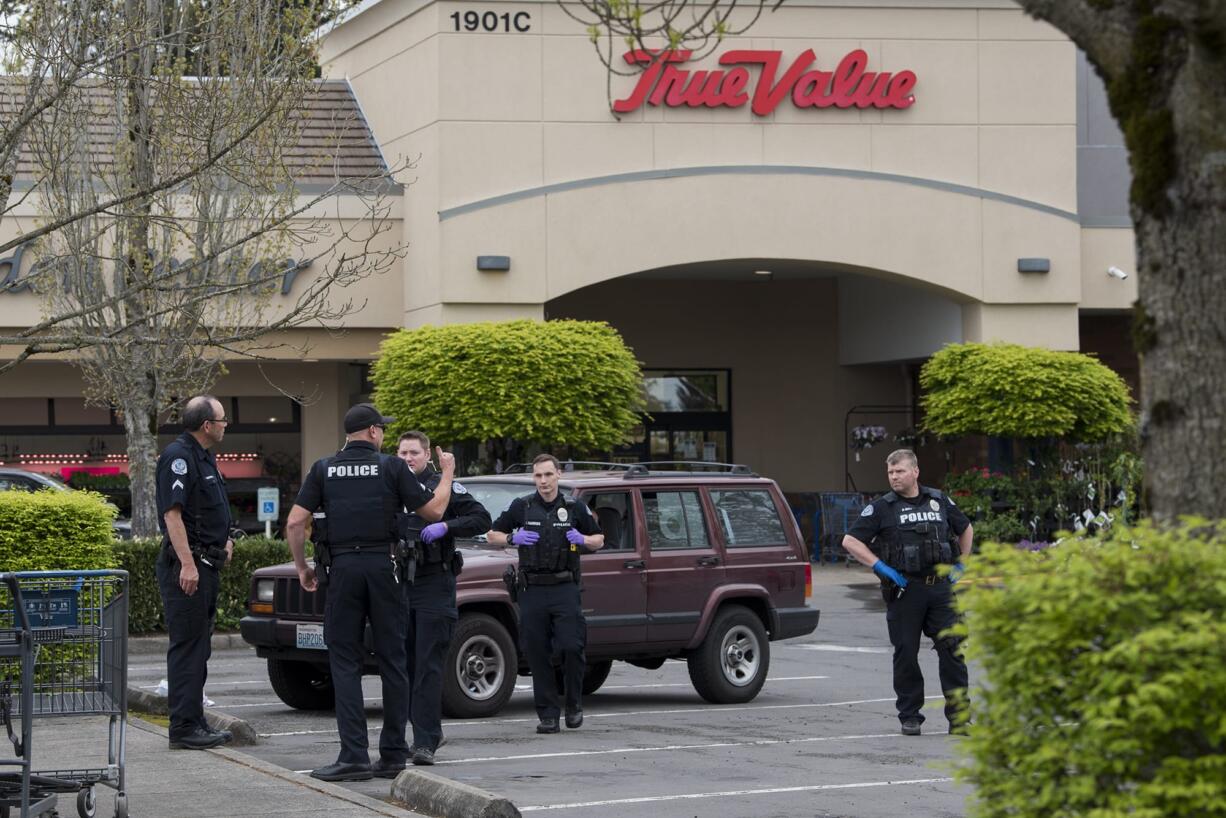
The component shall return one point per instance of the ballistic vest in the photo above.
(361, 508)
(914, 538)
(441, 551)
(552, 552)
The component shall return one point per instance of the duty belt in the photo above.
(926, 579)
(549, 579)
(378, 549)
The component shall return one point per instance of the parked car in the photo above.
(22, 480)
(701, 566)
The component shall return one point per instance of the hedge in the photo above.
(145, 614)
(1103, 676)
(55, 530)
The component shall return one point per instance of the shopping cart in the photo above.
(839, 510)
(63, 653)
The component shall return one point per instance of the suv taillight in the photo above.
(808, 580)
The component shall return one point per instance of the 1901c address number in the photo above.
(507, 21)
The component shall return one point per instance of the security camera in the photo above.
(1116, 272)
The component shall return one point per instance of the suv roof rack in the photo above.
(571, 465)
(645, 469)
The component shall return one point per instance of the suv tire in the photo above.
(731, 664)
(479, 674)
(595, 676)
(301, 685)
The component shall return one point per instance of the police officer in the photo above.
(194, 515)
(363, 493)
(910, 528)
(549, 530)
(432, 608)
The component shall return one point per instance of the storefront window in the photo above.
(686, 390)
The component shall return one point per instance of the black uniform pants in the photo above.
(928, 610)
(189, 623)
(432, 620)
(361, 587)
(551, 623)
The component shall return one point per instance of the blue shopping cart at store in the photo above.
(63, 653)
(838, 510)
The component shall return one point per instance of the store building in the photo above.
(782, 239)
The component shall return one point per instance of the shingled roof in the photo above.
(335, 141)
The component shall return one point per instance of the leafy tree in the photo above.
(1008, 390)
(161, 140)
(556, 383)
(1164, 65)
(1104, 676)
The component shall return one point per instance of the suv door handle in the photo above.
(634, 564)
(708, 560)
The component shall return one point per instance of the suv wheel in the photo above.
(301, 685)
(595, 676)
(480, 670)
(730, 665)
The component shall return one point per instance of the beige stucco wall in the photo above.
(987, 153)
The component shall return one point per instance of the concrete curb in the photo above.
(336, 791)
(435, 795)
(158, 643)
(244, 734)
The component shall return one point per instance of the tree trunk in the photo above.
(1181, 333)
(140, 423)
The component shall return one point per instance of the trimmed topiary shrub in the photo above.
(1103, 676)
(54, 531)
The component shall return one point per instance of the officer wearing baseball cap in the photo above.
(362, 493)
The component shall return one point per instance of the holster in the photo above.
(404, 554)
(323, 562)
(212, 555)
(457, 563)
(889, 591)
(510, 578)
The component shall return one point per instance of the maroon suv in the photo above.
(705, 566)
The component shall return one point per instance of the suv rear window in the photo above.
(748, 517)
(674, 520)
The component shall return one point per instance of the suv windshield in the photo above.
(496, 497)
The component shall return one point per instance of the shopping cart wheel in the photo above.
(121, 806)
(87, 802)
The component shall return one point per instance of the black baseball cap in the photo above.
(363, 416)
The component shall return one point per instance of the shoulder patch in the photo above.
(457, 488)
(868, 511)
(179, 466)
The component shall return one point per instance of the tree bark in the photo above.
(1164, 64)
(140, 423)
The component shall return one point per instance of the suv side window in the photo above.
(748, 517)
(674, 520)
(615, 513)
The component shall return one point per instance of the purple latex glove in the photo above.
(574, 537)
(523, 536)
(434, 531)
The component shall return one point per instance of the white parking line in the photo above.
(718, 708)
(526, 687)
(732, 793)
(766, 742)
(841, 648)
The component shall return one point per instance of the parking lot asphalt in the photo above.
(820, 740)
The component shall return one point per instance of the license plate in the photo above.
(311, 637)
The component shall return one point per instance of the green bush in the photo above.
(145, 612)
(571, 383)
(54, 530)
(1103, 676)
(1026, 392)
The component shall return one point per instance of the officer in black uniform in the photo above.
(363, 493)
(432, 608)
(194, 515)
(549, 530)
(910, 529)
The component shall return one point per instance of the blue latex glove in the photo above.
(523, 536)
(886, 572)
(956, 573)
(434, 531)
(574, 537)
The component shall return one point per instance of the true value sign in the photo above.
(849, 85)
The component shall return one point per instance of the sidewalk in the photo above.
(193, 784)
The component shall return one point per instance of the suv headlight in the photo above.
(263, 596)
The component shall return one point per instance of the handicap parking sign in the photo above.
(269, 504)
